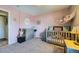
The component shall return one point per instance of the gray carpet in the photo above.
(3, 42)
(31, 46)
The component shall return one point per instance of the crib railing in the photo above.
(57, 37)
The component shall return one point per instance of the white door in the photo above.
(2, 35)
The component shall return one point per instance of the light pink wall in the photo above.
(23, 16)
(49, 19)
(46, 20)
(76, 20)
(16, 21)
(13, 23)
(18, 15)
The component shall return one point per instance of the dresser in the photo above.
(71, 47)
(29, 33)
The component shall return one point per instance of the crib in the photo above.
(57, 36)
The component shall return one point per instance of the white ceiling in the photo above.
(40, 9)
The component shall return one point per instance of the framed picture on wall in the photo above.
(38, 22)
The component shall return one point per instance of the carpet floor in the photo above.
(3, 42)
(32, 46)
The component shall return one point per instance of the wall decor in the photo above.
(27, 21)
(38, 22)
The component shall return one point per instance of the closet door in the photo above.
(2, 35)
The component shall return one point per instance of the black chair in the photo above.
(22, 38)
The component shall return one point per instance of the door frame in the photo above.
(8, 22)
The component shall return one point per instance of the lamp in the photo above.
(77, 36)
(75, 30)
